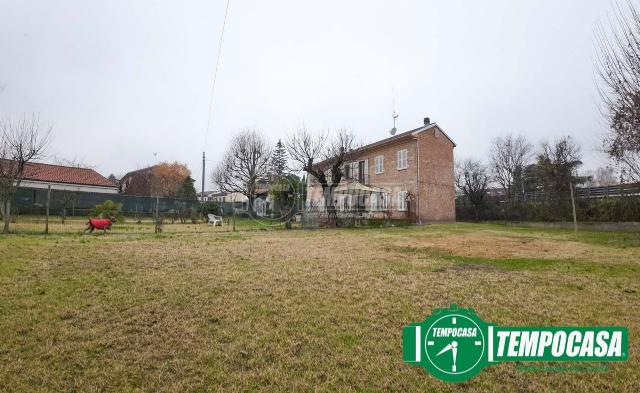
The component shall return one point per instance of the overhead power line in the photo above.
(215, 75)
(213, 90)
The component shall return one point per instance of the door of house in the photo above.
(260, 207)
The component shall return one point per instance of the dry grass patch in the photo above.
(286, 310)
(499, 245)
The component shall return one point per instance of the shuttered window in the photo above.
(402, 159)
(402, 201)
(379, 164)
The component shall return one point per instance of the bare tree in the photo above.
(472, 179)
(72, 162)
(618, 68)
(20, 143)
(509, 156)
(245, 162)
(322, 155)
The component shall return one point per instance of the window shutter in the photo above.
(366, 171)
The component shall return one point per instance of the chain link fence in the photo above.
(619, 203)
(38, 211)
(55, 211)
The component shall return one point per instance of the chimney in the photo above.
(427, 121)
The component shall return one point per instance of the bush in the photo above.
(209, 208)
(108, 209)
(608, 209)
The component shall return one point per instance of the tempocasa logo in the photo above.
(454, 344)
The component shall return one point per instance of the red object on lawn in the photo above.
(99, 223)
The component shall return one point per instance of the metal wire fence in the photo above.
(604, 204)
(142, 223)
(55, 211)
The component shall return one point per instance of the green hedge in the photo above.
(608, 209)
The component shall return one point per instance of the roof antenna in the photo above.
(394, 115)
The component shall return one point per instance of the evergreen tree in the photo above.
(187, 189)
(279, 160)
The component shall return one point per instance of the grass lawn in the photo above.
(298, 310)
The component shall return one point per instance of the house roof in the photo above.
(398, 137)
(64, 174)
(139, 171)
(404, 135)
(214, 193)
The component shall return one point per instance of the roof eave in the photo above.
(434, 125)
(69, 183)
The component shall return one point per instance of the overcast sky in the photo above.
(122, 80)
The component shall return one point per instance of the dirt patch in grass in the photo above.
(503, 245)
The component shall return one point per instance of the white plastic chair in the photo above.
(214, 220)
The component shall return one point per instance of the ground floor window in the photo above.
(344, 203)
(379, 201)
(402, 200)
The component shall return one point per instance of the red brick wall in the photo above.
(137, 183)
(436, 193)
(432, 183)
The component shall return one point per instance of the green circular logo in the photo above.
(454, 345)
(450, 344)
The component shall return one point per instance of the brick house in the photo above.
(138, 182)
(406, 176)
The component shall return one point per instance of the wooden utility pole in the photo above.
(233, 207)
(573, 206)
(46, 222)
(203, 172)
(157, 219)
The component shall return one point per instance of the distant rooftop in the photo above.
(65, 174)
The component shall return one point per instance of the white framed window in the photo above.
(379, 164)
(402, 159)
(355, 170)
(402, 201)
(344, 203)
(384, 201)
(379, 201)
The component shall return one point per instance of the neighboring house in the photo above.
(261, 200)
(212, 196)
(65, 178)
(223, 197)
(137, 182)
(407, 176)
(496, 192)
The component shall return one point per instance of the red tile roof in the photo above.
(65, 174)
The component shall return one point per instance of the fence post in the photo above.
(157, 218)
(46, 222)
(573, 207)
